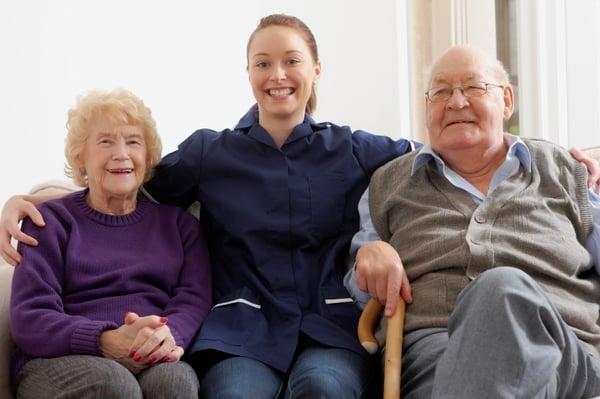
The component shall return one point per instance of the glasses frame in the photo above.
(461, 88)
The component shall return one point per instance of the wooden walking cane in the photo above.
(393, 347)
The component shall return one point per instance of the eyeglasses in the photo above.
(443, 94)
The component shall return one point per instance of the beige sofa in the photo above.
(6, 277)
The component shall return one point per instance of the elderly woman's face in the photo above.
(114, 158)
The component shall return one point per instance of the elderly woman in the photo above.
(118, 286)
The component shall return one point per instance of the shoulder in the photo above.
(395, 168)
(63, 208)
(162, 213)
(546, 148)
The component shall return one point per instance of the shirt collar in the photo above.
(516, 148)
(251, 118)
(249, 124)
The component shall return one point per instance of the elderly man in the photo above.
(498, 237)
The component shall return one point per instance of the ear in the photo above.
(509, 102)
(317, 71)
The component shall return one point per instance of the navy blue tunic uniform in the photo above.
(278, 224)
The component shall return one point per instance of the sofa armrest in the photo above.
(6, 272)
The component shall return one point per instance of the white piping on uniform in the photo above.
(334, 301)
(239, 300)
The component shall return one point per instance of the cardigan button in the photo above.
(479, 219)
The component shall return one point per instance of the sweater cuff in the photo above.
(178, 338)
(86, 338)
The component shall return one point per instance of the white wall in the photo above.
(186, 59)
(583, 72)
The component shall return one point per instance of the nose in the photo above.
(278, 72)
(457, 100)
(120, 150)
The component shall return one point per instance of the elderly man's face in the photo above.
(462, 123)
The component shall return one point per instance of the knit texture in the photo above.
(90, 268)
(536, 222)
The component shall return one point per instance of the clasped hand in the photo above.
(140, 343)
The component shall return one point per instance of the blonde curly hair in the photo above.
(119, 106)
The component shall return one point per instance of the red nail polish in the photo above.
(137, 358)
(151, 359)
(131, 354)
(164, 320)
(167, 359)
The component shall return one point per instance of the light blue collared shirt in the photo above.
(517, 155)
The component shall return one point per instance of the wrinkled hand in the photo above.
(152, 345)
(116, 344)
(16, 209)
(592, 166)
(379, 271)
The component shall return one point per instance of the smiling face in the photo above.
(466, 123)
(114, 158)
(282, 72)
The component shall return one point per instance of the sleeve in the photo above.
(175, 179)
(365, 234)
(372, 151)
(39, 324)
(593, 240)
(192, 298)
(366, 231)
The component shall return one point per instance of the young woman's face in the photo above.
(282, 72)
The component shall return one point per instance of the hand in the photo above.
(152, 345)
(16, 209)
(379, 271)
(116, 344)
(592, 166)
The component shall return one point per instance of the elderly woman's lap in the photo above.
(81, 376)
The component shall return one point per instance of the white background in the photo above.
(185, 59)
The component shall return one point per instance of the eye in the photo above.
(474, 90)
(104, 141)
(293, 61)
(440, 93)
(261, 64)
(135, 142)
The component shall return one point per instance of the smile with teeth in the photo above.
(120, 171)
(283, 92)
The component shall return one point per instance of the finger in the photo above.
(593, 179)
(361, 281)
(151, 343)
(381, 288)
(405, 290)
(175, 355)
(576, 153)
(151, 321)
(10, 254)
(393, 291)
(34, 214)
(22, 237)
(164, 349)
(130, 317)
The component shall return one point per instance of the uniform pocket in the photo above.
(340, 307)
(233, 318)
(327, 202)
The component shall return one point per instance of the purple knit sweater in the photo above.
(90, 268)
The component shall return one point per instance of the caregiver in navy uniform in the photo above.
(279, 197)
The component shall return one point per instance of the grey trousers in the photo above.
(505, 339)
(80, 376)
